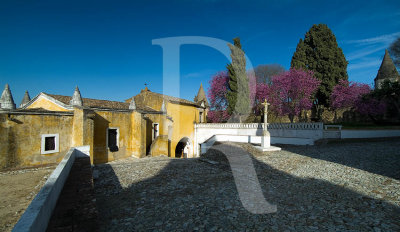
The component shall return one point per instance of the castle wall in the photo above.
(21, 138)
(163, 122)
(160, 146)
(131, 135)
(83, 126)
(182, 123)
(184, 117)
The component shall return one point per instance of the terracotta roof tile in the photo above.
(93, 103)
(102, 104)
(168, 98)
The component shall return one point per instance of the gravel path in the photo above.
(17, 189)
(332, 187)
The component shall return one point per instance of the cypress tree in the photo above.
(238, 93)
(320, 53)
(299, 56)
(231, 95)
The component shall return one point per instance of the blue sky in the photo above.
(105, 47)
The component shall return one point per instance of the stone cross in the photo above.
(265, 104)
(266, 139)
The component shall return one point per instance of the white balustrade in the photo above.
(291, 126)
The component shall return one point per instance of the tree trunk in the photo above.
(291, 117)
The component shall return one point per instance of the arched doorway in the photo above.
(182, 148)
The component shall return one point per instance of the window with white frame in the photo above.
(50, 143)
(156, 130)
(113, 139)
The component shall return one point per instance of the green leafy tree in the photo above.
(238, 92)
(320, 53)
(265, 72)
(389, 93)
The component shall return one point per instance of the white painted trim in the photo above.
(152, 130)
(42, 147)
(117, 128)
(293, 126)
(57, 102)
(47, 97)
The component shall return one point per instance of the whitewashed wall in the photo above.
(300, 133)
(205, 131)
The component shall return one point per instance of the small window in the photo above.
(155, 130)
(49, 143)
(201, 117)
(112, 139)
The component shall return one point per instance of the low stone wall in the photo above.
(314, 131)
(351, 134)
(36, 217)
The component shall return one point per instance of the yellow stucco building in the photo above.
(45, 127)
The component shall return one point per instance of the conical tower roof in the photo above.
(25, 100)
(6, 100)
(201, 96)
(387, 69)
(76, 98)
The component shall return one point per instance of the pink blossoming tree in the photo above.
(217, 96)
(347, 94)
(291, 92)
(371, 107)
(359, 97)
(261, 95)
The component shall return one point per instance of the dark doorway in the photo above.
(180, 148)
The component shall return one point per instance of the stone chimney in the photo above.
(6, 100)
(132, 104)
(76, 98)
(25, 100)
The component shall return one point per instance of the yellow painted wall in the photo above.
(131, 133)
(184, 117)
(20, 140)
(150, 119)
(159, 146)
(44, 103)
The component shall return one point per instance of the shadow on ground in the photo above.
(76, 205)
(379, 156)
(188, 194)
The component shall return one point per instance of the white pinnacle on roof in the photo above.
(163, 109)
(6, 100)
(76, 98)
(25, 100)
(132, 104)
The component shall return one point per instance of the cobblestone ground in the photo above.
(333, 187)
